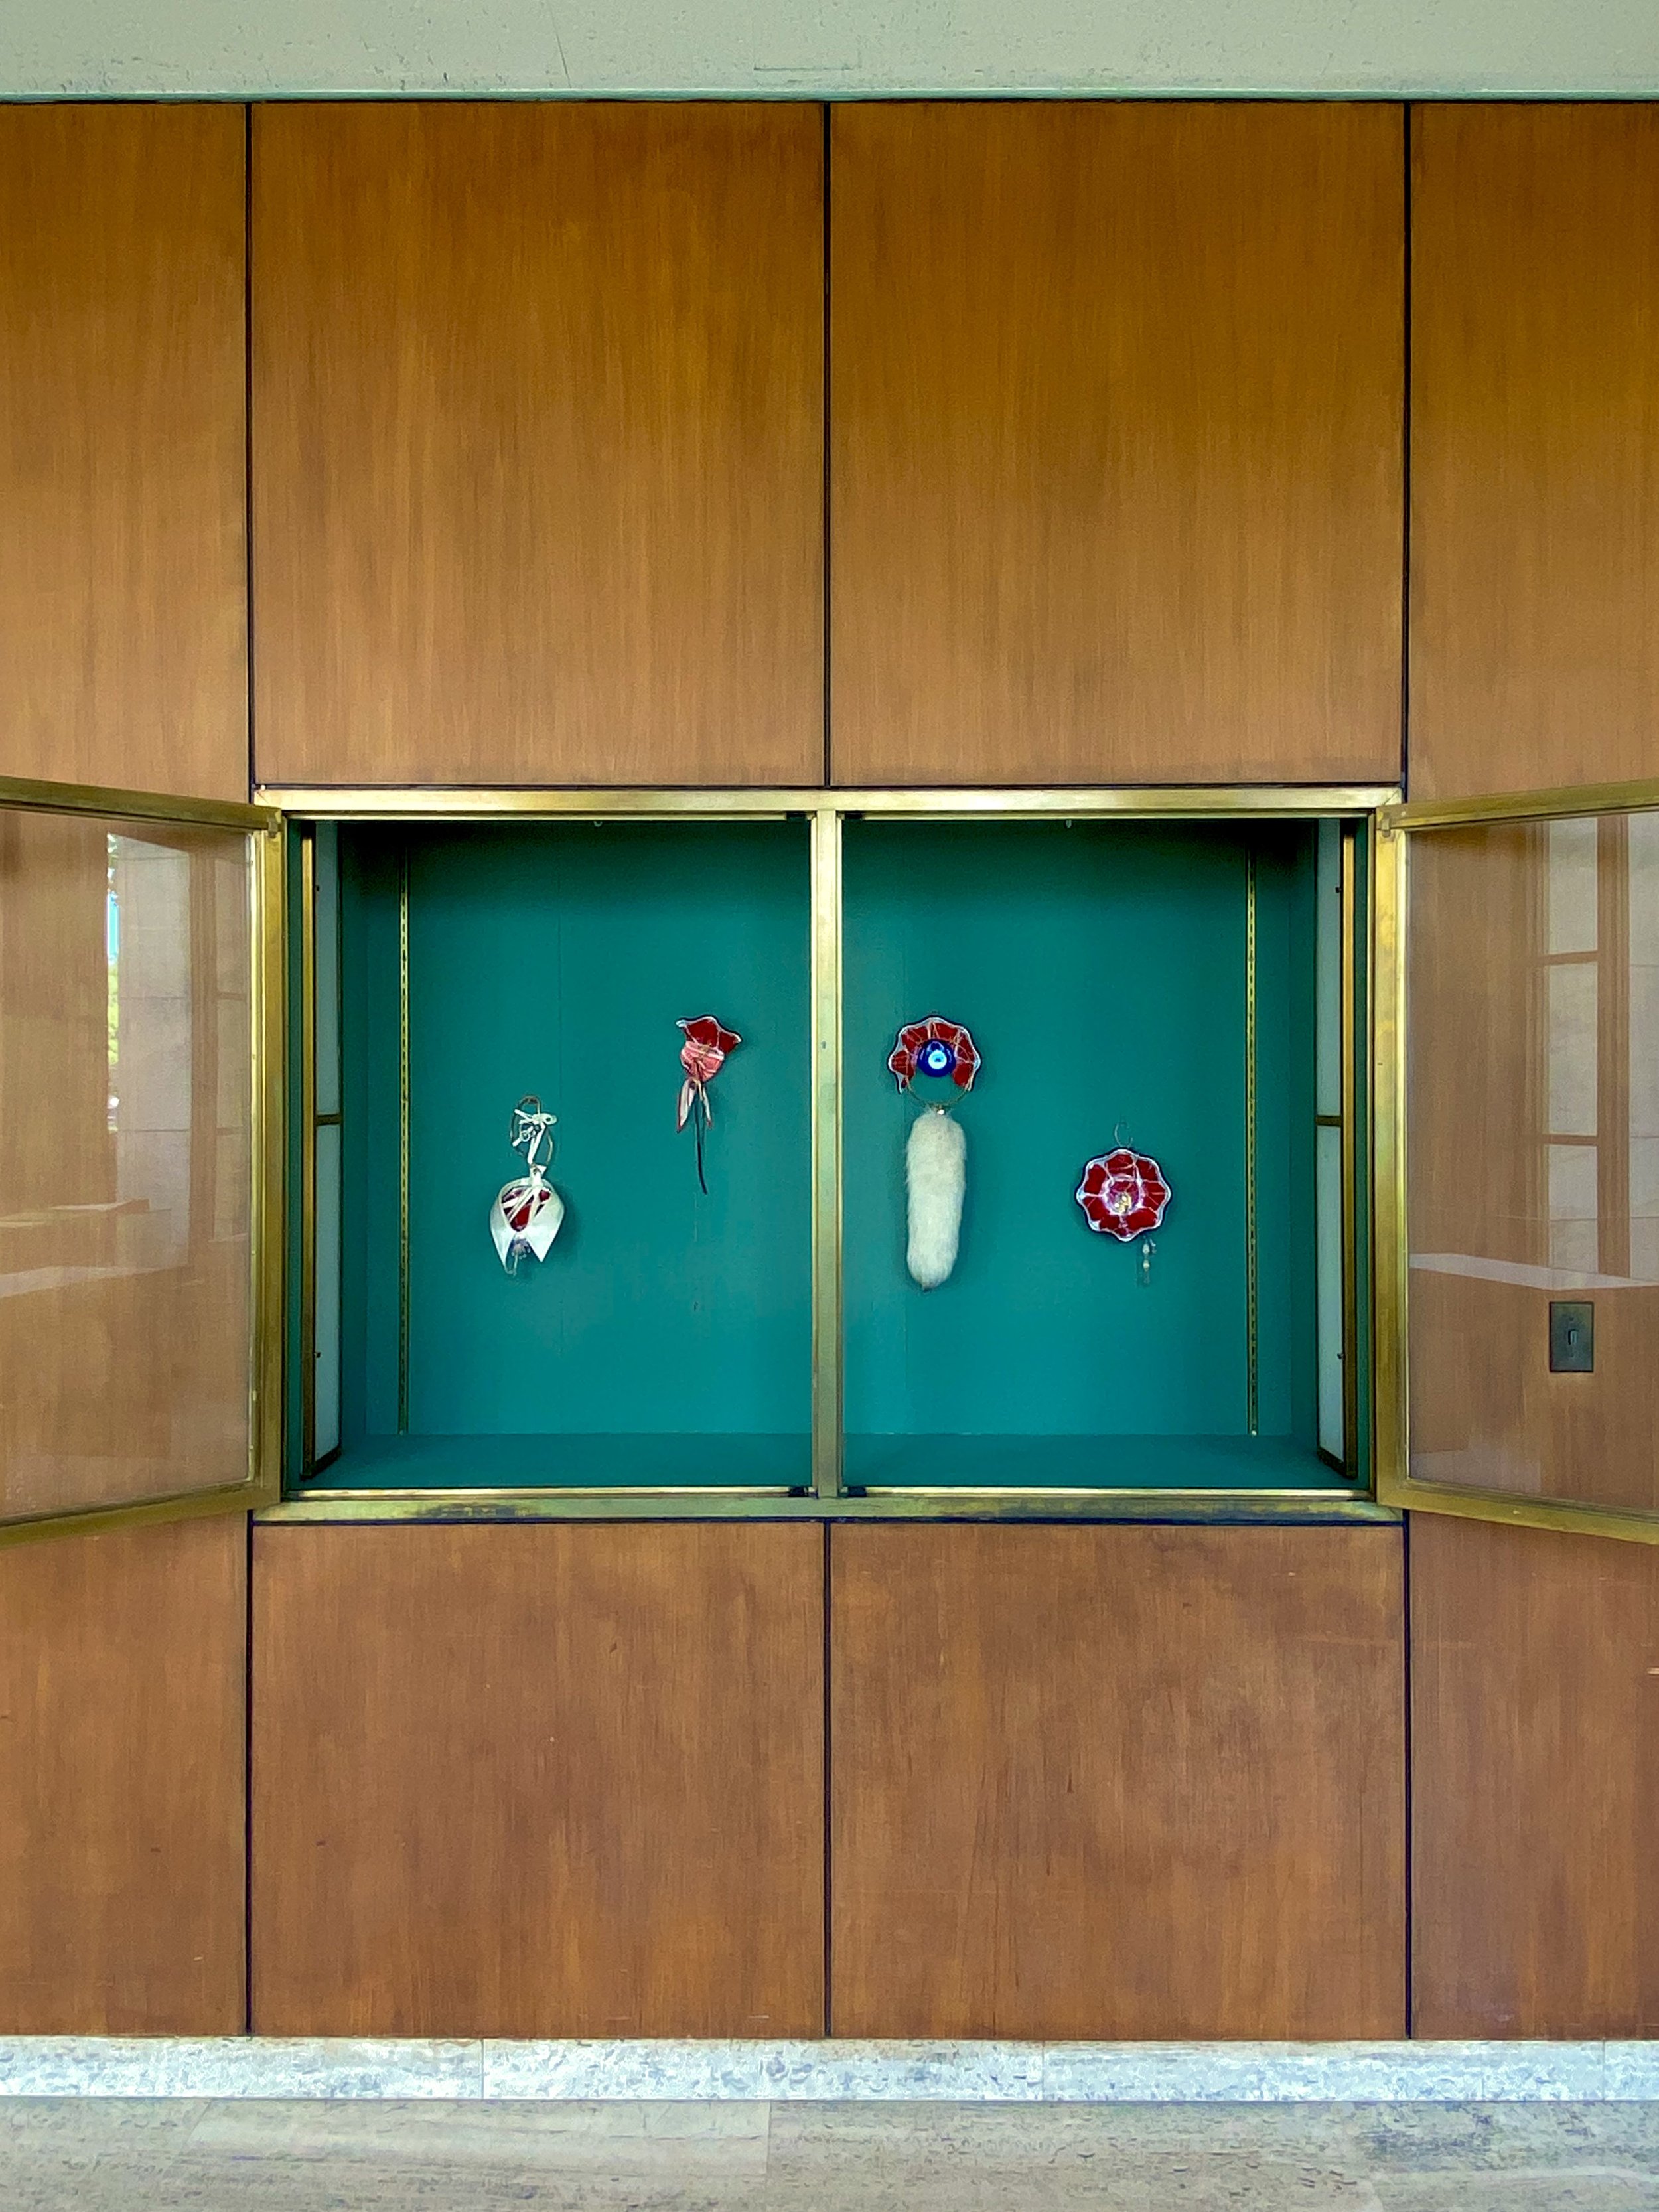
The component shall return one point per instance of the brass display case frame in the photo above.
(1385, 825)
(1397, 825)
(267, 1108)
(826, 810)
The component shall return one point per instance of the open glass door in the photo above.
(140, 959)
(1517, 1121)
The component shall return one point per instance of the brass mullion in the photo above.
(828, 1442)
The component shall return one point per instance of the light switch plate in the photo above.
(1572, 1336)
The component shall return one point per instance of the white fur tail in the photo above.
(935, 1176)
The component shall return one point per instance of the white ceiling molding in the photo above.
(828, 48)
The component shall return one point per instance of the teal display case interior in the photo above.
(666, 1337)
(1107, 971)
(1174, 986)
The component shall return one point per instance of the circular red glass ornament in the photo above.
(1123, 1194)
(913, 1038)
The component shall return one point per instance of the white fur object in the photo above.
(935, 1162)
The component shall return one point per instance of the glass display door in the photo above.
(1517, 1112)
(870, 1301)
(139, 1083)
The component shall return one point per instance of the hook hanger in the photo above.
(529, 1129)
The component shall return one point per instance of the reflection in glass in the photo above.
(125, 1180)
(1570, 885)
(1642, 1020)
(1572, 1187)
(1570, 995)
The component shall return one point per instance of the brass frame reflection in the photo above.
(267, 941)
(826, 811)
(1396, 1485)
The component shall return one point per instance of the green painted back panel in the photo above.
(556, 958)
(370, 1150)
(1100, 968)
(1286, 1316)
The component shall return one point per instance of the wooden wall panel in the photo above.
(538, 443)
(122, 446)
(122, 1669)
(1116, 441)
(1117, 1782)
(546, 1780)
(1535, 1781)
(1534, 651)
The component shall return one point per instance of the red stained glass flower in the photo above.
(703, 1056)
(934, 1047)
(521, 1202)
(1123, 1194)
(706, 1045)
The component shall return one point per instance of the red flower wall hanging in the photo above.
(934, 1047)
(935, 1157)
(1123, 1194)
(703, 1055)
(527, 1214)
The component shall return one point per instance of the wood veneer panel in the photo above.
(1117, 421)
(537, 443)
(1535, 1781)
(1535, 657)
(1117, 1782)
(547, 1780)
(122, 461)
(122, 1672)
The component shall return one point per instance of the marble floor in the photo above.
(85, 2154)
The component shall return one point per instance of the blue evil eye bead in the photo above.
(936, 1058)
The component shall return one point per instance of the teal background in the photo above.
(1100, 968)
(667, 1334)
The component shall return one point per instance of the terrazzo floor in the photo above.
(85, 2154)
